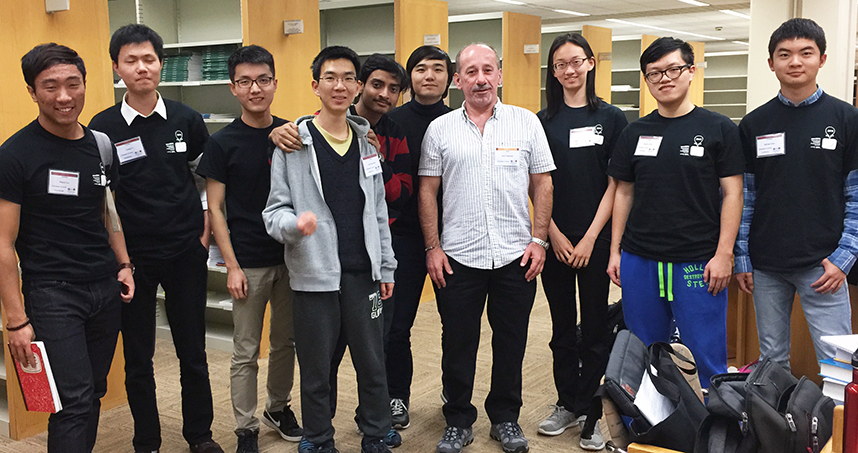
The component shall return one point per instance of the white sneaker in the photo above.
(557, 422)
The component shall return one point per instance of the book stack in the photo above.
(175, 68)
(214, 63)
(836, 371)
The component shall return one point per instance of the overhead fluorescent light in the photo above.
(571, 13)
(742, 43)
(475, 17)
(653, 27)
(511, 2)
(735, 13)
(726, 53)
(694, 2)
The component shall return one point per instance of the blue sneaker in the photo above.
(305, 446)
(393, 439)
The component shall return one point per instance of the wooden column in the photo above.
(696, 90)
(647, 104)
(84, 28)
(262, 24)
(600, 41)
(521, 72)
(417, 22)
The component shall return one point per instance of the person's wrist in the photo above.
(540, 242)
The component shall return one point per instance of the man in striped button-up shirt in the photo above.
(489, 157)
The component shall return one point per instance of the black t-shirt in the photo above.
(414, 118)
(580, 179)
(239, 156)
(59, 185)
(157, 200)
(676, 213)
(800, 205)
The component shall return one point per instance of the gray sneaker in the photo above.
(510, 436)
(455, 439)
(595, 442)
(557, 422)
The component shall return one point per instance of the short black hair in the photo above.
(378, 61)
(334, 53)
(135, 34)
(663, 46)
(798, 28)
(45, 56)
(251, 54)
(430, 53)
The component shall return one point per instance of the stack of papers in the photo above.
(836, 371)
(175, 68)
(214, 63)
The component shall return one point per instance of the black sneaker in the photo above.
(248, 441)
(284, 423)
(208, 446)
(399, 413)
(373, 445)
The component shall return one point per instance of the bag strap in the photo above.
(105, 151)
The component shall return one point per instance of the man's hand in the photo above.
(717, 273)
(19, 345)
(386, 290)
(236, 283)
(373, 140)
(614, 268)
(746, 281)
(560, 245)
(581, 254)
(307, 223)
(536, 255)
(126, 277)
(436, 265)
(286, 137)
(831, 280)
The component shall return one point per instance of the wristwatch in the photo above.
(540, 242)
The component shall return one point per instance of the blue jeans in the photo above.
(826, 314)
(79, 323)
(700, 316)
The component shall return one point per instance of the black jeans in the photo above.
(460, 303)
(79, 323)
(577, 385)
(184, 282)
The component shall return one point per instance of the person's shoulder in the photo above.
(107, 115)
(764, 110)
(831, 102)
(19, 140)
(175, 108)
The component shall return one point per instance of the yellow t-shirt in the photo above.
(340, 146)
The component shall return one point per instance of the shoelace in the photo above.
(397, 407)
(451, 434)
(510, 429)
(305, 445)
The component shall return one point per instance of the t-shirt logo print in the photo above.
(100, 179)
(377, 305)
(829, 142)
(695, 150)
(178, 146)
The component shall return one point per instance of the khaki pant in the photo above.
(263, 284)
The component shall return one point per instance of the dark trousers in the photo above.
(79, 323)
(460, 303)
(576, 384)
(320, 318)
(184, 283)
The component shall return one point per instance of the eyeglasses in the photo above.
(261, 82)
(331, 80)
(575, 63)
(671, 73)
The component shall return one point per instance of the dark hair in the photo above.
(135, 34)
(553, 87)
(48, 55)
(430, 53)
(334, 53)
(663, 46)
(796, 29)
(251, 54)
(378, 61)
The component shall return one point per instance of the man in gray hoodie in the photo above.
(327, 205)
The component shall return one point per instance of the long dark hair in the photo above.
(553, 88)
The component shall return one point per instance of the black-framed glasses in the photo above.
(575, 63)
(331, 80)
(261, 82)
(671, 73)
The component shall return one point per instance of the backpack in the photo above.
(105, 151)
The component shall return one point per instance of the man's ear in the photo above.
(32, 92)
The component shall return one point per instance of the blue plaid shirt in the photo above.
(847, 249)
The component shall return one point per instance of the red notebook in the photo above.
(37, 383)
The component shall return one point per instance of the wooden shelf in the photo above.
(218, 121)
(219, 42)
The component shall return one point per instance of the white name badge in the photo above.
(63, 182)
(771, 145)
(181, 147)
(130, 150)
(648, 145)
(696, 151)
(507, 157)
(371, 165)
(582, 136)
(829, 143)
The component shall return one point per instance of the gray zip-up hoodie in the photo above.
(296, 187)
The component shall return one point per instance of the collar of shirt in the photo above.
(128, 112)
(495, 109)
(810, 100)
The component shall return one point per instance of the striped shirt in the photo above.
(485, 179)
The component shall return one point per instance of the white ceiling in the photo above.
(668, 17)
